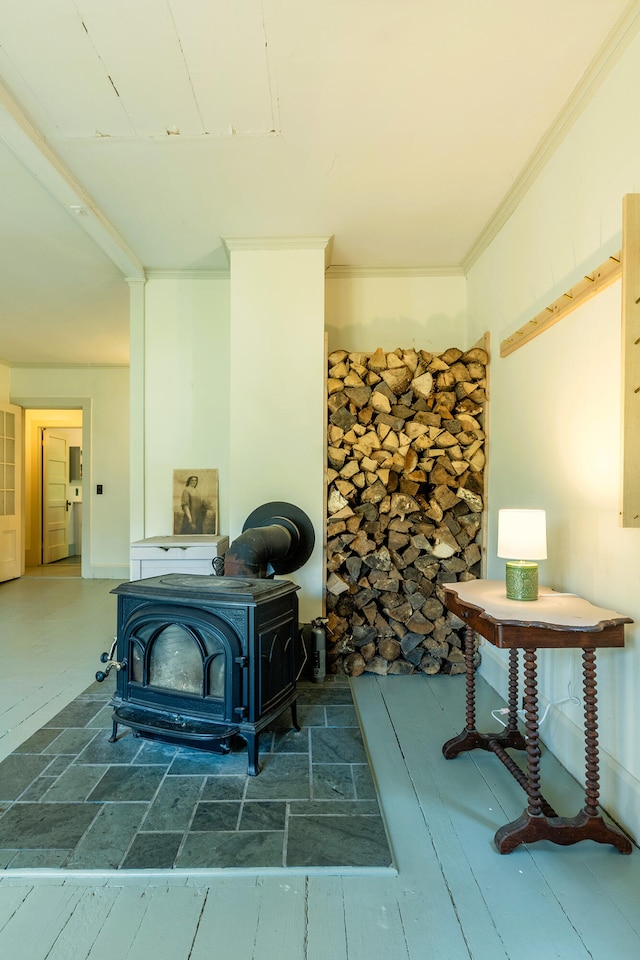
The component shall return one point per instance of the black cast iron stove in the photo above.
(201, 659)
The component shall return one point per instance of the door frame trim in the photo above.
(68, 403)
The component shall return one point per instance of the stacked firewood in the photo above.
(405, 498)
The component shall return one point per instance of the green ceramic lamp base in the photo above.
(521, 580)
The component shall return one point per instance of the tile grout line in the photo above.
(136, 832)
(267, 797)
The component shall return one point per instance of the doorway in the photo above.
(10, 492)
(53, 492)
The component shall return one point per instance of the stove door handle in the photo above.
(102, 675)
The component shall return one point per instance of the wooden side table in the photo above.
(555, 621)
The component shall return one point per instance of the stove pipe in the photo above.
(277, 538)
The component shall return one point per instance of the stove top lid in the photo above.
(209, 589)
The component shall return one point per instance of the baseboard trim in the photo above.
(115, 572)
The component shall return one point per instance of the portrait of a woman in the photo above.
(195, 502)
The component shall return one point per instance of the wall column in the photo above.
(277, 377)
(136, 409)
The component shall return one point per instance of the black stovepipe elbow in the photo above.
(253, 553)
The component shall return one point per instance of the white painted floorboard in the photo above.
(454, 897)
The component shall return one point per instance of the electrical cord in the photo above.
(497, 714)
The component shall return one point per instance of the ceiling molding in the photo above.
(612, 49)
(336, 272)
(20, 365)
(160, 273)
(344, 272)
(33, 150)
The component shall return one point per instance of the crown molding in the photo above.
(19, 365)
(337, 272)
(594, 76)
(160, 273)
(345, 272)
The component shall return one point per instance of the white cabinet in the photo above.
(178, 554)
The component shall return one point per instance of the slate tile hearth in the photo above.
(71, 800)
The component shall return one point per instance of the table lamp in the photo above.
(522, 534)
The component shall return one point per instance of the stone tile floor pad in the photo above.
(71, 800)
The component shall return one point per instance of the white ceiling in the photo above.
(135, 134)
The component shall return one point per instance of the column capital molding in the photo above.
(236, 244)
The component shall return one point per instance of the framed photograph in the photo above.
(195, 502)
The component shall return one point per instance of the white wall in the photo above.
(186, 391)
(423, 312)
(555, 418)
(103, 395)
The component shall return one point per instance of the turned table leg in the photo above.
(532, 734)
(470, 738)
(511, 736)
(532, 823)
(512, 723)
(469, 651)
(529, 627)
(588, 824)
(592, 778)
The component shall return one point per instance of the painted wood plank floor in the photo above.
(454, 897)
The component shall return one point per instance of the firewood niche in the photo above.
(405, 499)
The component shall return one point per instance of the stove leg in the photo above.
(253, 768)
(114, 732)
(294, 716)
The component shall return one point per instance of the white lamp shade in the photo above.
(522, 534)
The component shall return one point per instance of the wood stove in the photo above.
(201, 660)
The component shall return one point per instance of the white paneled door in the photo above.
(10, 492)
(55, 505)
